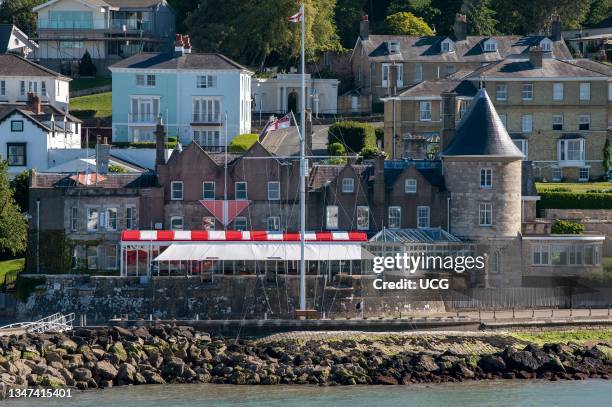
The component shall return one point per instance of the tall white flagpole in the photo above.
(303, 173)
(225, 208)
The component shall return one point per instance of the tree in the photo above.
(607, 156)
(21, 187)
(421, 8)
(404, 23)
(183, 8)
(250, 31)
(347, 15)
(599, 10)
(19, 12)
(13, 226)
(524, 17)
(481, 19)
(86, 66)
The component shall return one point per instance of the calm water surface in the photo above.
(496, 393)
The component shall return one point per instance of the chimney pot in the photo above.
(536, 55)
(460, 27)
(364, 28)
(555, 28)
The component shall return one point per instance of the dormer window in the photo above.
(447, 46)
(394, 47)
(546, 45)
(490, 45)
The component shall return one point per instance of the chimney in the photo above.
(187, 44)
(536, 55)
(308, 135)
(460, 27)
(179, 46)
(34, 103)
(378, 198)
(449, 104)
(102, 156)
(160, 143)
(364, 28)
(555, 28)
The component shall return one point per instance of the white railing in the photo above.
(53, 323)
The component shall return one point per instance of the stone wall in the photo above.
(594, 220)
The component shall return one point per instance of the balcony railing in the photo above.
(72, 24)
(213, 149)
(130, 24)
(212, 118)
(143, 117)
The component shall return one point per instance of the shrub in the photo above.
(368, 153)
(336, 149)
(571, 200)
(243, 142)
(354, 135)
(380, 134)
(566, 227)
(86, 66)
(117, 169)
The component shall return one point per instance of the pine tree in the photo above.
(87, 67)
(13, 226)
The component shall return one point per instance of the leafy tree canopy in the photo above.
(13, 226)
(481, 18)
(405, 23)
(20, 186)
(19, 12)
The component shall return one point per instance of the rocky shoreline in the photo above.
(106, 357)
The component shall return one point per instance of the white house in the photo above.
(28, 133)
(20, 77)
(15, 41)
(198, 95)
(281, 94)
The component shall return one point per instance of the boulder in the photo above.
(174, 367)
(152, 377)
(491, 364)
(127, 373)
(81, 374)
(426, 363)
(387, 380)
(523, 360)
(68, 345)
(106, 370)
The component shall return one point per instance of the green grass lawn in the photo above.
(604, 335)
(101, 103)
(87, 83)
(575, 186)
(12, 265)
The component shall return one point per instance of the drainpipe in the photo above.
(37, 235)
(448, 203)
(394, 130)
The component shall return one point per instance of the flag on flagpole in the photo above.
(297, 17)
(277, 124)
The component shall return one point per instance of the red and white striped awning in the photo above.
(236, 236)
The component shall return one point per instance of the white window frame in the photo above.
(275, 222)
(425, 110)
(540, 251)
(111, 213)
(423, 217)
(527, 123)
(394, 217)
(146, 80)
(418, 73)
(206, 109)
(214, 187)
(527, 91)
(557, 120)
(584, 119)
(74, 219)
(585, 91)
(91, 218)
(174, 219)
(246, 191)
(206, 81)
(92, 260)
(174, 191)
(447, 46)
(485, 214)
(584, 174)
(486, 178)
(348, 185)
(363, 212)
(410, 186)
(384, 75)
(331, 217)
(558, 92)
(490, 45)
(240, 223)
(274, 191)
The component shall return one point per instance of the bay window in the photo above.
(571, 150)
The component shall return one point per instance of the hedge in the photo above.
(354, 135)
(566, 227)
(573, 200)
(243, 142)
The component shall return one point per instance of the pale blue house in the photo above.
(193, 92)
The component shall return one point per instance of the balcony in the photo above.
(143, 118)
(46, 24)
(131, 25)
(212, 119)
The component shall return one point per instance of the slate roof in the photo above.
(321, 174)
(113, 180)
(46, 111)
(133, 3)
(15, 65)
(471, 50)
(158, 60)
(481, 132)
(591, 65)
(551, 68)
(437, 86)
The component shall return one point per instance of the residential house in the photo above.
(558, 112)
(15, 41)
(417, 59)
(109, 29)
(82, 216)
(281, 94)
(29, 132)
(20, 77)
(593, 41)
(199, 96)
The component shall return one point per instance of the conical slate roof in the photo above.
(481, 132)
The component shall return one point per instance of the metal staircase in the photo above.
(53, 323)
